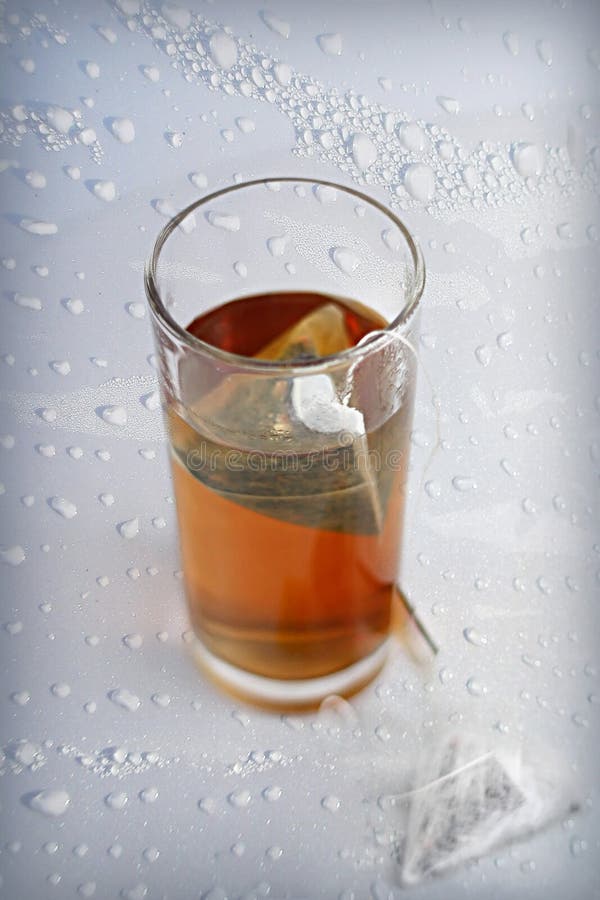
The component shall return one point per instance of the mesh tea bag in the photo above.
(303, 455)
(471, 799)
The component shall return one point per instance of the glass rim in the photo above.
(357, 351)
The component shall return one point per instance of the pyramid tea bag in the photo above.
(303, 455)
(320, 333)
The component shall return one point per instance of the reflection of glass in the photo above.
(288, 399)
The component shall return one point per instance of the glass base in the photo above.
(291, 693)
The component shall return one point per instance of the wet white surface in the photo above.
(125, 774)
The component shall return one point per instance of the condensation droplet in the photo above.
(226, 221)
(419, 181)
(240, 798)
(63, 507)
(463, 483)
(223, 49)
(125, 699)
(331, 803)
(475, 687)
(475, 637)
(331, 44)
(130, 528)
(50, 803)
(114, 415)
(345, 259)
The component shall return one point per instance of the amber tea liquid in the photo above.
(290, 556)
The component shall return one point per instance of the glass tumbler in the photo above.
(289, 464)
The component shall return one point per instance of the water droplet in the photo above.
(449, 105)
(74, 305)
(475, 637)
(274, 853)
(149, 795)
(151, 854)
(123, 130)
(161, 699)
(116, 800)
(364, 152)
(331, 44)
(275, 24)
(433, 489)
(125, 699)
(114, 415)
(476, 688)
(463, 483)
(528, 159)
(178, 16)
(33, 226)
(483, 355)
(92, 70)
(238, 849)
(245, 125)
(87, 137)
(391, 239)
(272, 793)
(60, 366)
(577, 846)
(50, 803)
(544, 51)
(208, 805)
(331, 803)
(324, 193)
(565, 231)
(227, 221)
(128, 529)
(133, 641)
(282, 73)
(345, 259)
(26, 302)
(105, 190)
(35, 179)
(61, 690)
(419, 181)
(240, 798)
(223, 49)
(511, 42)
(504, 340)
(175, 139)
(579, 720)
(412, 137)
(151, 73)
(137, 892)
(63, 507)
(151, 401)
(276, 245)
(12, 556)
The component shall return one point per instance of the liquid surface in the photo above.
(290, 553)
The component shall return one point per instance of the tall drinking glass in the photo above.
(284, 315)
